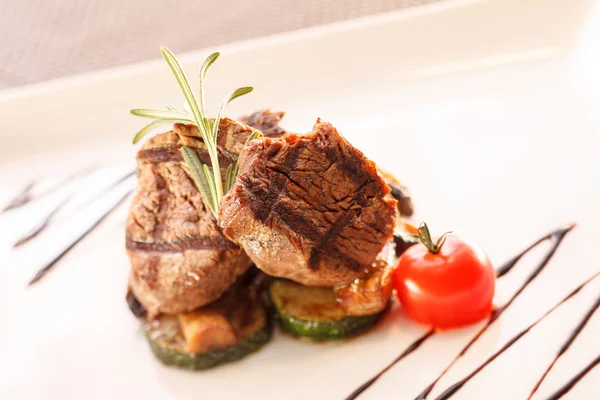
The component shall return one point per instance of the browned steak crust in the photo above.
(311, 208)
(266, 121)
(180, 260)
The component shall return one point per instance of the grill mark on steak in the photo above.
(348, 165)
(180, 259)
(324, 245)
(316, 199)
(195, 243)
(301, 225)
(267, 202)
(264, 202)
(296, 221)
(159, 155)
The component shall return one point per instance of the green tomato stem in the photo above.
(424, 237)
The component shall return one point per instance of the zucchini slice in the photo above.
(253, 328)
(314, 313)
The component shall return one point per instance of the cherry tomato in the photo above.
(446, 284)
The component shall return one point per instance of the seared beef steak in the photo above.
(370, 293)
(266, 121)
(180, 260)
(310, 208)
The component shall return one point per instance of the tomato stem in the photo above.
(424, 236)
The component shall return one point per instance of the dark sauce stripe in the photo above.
(558, 234)
(34, 232)
(556, 238)
(40, 228)
(456, 387)
(42, 272)
(570, 339)
(22, 198)
(573, 381)
(196, 243)
(414, 346)
(25, 196)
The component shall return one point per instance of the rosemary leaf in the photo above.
(233, 95)
(197, 171)
(199, 115)
(171, 108)
(255, 135)
(162, 114)
(236, 168)
(207, 63)
(155, 124)
(211, 184)
(229, 178)
(185, 88)
(208, 179)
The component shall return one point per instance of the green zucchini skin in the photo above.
(322, 319)
(196, 362)
(321, 331)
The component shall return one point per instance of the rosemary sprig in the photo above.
(207, 179)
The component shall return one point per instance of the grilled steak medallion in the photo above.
(309, 208)
(266, 121)
(180, 260)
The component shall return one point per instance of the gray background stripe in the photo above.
(47, 39)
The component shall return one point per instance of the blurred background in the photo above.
(48, 39)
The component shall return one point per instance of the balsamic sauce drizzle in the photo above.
(40, 228)
(26, 197)
(23, 197)
(574, 334)
(555, 237)
(42, 272)
(571, 383)
(414, 346)
(455, 387)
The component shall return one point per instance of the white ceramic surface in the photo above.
(488, 110)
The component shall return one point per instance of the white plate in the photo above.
(488, 110)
